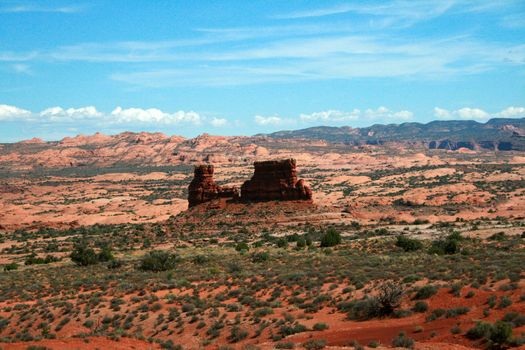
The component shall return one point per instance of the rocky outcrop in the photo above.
(203, 188)
(272, 180)
(275, 180)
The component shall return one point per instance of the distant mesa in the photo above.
(274, 180)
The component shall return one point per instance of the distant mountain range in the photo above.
(502, 134)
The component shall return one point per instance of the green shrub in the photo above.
(105, 254)
(389, 297)
(500, 333)
(301, 242)
(242, 246)
(282, 242)
(408, 244)
(426, 292)
(320, 326)
(504, 302)
(402, 341)
(314, 344)
(158, 260)
(82, 255)
(450, 245)
(10, 267)
(114, 264)
(260, 257)
(420, 306)
(286, 330)
(34, 260)
(514, 318)
(480, 330)
(237, 334)
(330, 238)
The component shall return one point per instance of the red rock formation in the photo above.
(275, 180)
(203, 188)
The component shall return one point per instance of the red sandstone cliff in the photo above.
(275, 180)
(272, 180)
(203, 188)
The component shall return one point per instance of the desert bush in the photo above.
(500, 333)
(114, 264)
(301, 242)
(158, 260)
(82, 255)
(514, 318)
(286, 330)
(408, 244)
(34, 260)
(504, 302)
(426, 292)
(330, 238)
(420, 306)
(364, 309)
(237, 334)
(200, 259)
(10, 266)
(260, 257)
(480, 330)
(242, 246)
(455, 312)
(215, 329)
(320, 326)
(402, 341)
(314, 344)
(105, 254)
(389, 297)
(450, 245)
(263, 312)
(282, 242)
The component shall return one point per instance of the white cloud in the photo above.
(510, 112)
(218, 122)
(331, 115)
(381, 113)
(119, 116)
(272, 120)
(8, 112)
(478, 114)
(58, 114)
(153, 115)
(385, 113)
(472, 113)
(441, 113)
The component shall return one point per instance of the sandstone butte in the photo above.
(274, 180)
(204, 189)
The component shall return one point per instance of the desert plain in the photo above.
(428, 249)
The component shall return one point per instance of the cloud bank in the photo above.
(467, 113)
(119, 116)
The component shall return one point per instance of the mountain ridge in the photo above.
(496, 134)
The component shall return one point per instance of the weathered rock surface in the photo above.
(203, 188)
(275, 180)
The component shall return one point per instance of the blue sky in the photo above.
(244, 67)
